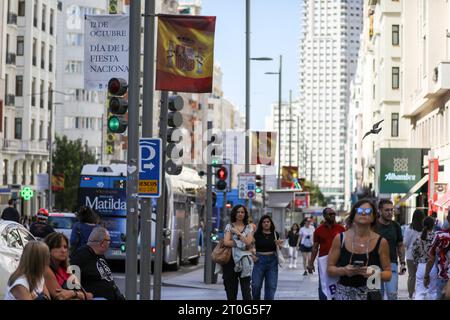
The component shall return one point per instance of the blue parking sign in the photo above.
(150, 168)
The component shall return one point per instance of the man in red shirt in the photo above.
(323, 238)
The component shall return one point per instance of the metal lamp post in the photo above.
(280, 74)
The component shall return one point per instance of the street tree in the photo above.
(68, 160)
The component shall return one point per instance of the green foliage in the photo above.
(316, 196)
(69, 158)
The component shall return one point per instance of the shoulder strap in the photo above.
(342, 236)
(377, 246)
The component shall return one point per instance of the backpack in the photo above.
(75, 247)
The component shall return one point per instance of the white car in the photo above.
(62, 222)
(13, 238)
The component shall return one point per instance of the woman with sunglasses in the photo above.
(359, 256)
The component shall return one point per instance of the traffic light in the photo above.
(117, 105)
(214, 199)
(221, 178)
(258, 183)
(216, 149)
(174, 151)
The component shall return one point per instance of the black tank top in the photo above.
(346, 256)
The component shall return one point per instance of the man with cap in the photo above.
(40, 229)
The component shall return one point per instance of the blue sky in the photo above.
(274, 31)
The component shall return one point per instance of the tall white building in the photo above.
(30, 44)
(78, 112)
(329, 44)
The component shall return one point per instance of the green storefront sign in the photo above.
(398, 170)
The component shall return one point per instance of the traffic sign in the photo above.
(251, 194)
(150, 168)
(246, 183)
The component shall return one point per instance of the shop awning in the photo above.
(413, 190)
(444, 201)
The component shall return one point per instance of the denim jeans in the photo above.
(265, 269)
(391, 287)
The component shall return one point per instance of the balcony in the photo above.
(10, 100)
(10, 58)
(26, 146)
(12, 18)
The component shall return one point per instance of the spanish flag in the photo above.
(185, 53)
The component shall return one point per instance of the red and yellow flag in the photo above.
(185, 53)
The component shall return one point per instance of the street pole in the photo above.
(147, 132)
(279, 122)
(132, 157)
(247, 86)
(161, 206)
(50, 148)
(290, 128)
(208, 218)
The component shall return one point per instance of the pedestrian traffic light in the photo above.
(214, 198)
(221, 178)
(258, 184)
(174, 151)
(117, 105)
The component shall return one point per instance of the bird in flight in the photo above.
(375, 129)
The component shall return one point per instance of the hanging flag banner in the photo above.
(263, 147)
(105, 50)
(185, 53)
(289, 177)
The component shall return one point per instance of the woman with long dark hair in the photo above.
(266, 265)
(293, 241)
(57, 278)
(411, 234)
(357, 254)
(420, 249)
(239, 237)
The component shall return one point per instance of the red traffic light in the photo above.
(222, 173)
(117, 86)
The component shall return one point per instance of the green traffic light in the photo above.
(258, 190)
(122, 247)
(214, 162)
(115, 125)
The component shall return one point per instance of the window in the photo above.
(34, 51)
(52, 14)
(42, 55)
(21, 10)
(395, 77)
(20, 45)
(44, 11)
(33, 92)
(19, 86)
(394, 125)
(41, 130)
(32, 131)
(35, 9)
(18, 128)
(41, 95)
(395, 35)
(50, 59)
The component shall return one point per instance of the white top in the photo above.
(410, 237)
(24, 282)
(307, 236)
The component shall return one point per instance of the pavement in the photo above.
(292, 285)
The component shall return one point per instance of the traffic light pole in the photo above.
(161, 200)
(132, 157)
(147, 132)
(208, 218)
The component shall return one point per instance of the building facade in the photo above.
(30, 48)
(329, 44)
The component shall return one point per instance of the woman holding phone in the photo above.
(359, 255)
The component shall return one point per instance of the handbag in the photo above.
(281, 260)
(221, 254)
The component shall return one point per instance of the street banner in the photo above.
(233, 145)
(105, 50)
(185, 53)
(289, 176)
(264, 145)
(58, 182)
(42, 182)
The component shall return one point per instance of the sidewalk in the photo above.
(292, 285)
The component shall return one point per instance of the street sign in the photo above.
(251, 194)
(150, 168)
(246, 183)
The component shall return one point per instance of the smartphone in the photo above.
(358, 263)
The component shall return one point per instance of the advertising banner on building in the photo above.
(264, 146)
(185, 53)
(106, 48)
(398, 169)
